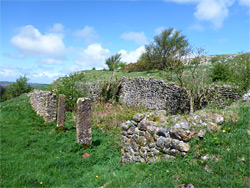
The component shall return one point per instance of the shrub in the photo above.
(220, 71)
(109, 89)
(236, 72)
(239, 74)
(139, 66)
(71, 86)
(16, 89)
(2, 91)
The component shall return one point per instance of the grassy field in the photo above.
(34, 154)
(99, 75)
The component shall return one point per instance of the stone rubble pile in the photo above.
(148, 137)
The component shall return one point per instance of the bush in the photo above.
(220, 71)
(239, 74)
(109, 89)
(2, 91)
(140, 66)
(16, 89)
(236, 72)
(73, 87)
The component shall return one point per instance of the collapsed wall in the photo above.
(44, 103)
(152, 136)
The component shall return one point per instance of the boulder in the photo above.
(246, 97)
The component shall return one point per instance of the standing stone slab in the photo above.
(61, 112)
(83, 121)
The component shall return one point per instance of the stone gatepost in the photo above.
(83, 122)
(61, 112)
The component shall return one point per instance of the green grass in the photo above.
(33, 152)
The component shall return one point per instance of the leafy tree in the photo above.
(114, 62)
(16, 89)
(166, 46)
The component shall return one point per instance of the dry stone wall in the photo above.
(91, 90)
(221, 96)
(157, 95)
(44, 103)
(153, 94)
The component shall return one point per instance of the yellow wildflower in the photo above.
(167, 171)
(215, 138)
(41, 183)
(96, 176)
(224, 131)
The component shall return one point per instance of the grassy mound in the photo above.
(34, 154)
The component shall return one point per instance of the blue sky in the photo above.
(49, 39)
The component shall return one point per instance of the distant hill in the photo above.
(35, 85)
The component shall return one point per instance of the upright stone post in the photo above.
(61, 112)
(83, 122)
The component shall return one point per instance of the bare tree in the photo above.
(194, 80)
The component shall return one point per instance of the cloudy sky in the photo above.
(46, 40)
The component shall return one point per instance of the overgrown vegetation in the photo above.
(34, 154)
(114, 62)
(16, 89)
(72, 86)
(235, 72)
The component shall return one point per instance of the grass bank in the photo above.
(34, 154)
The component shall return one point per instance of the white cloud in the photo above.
(50, 61)
(197, 27)
(244, 2)
(132, 56)
(45, 68)
(138, 37)
(214, 11)
(11, 72)
(57, 28)
(93, 56)
(47, 75)
(31, 42)
(15, 56)
(88, 33)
